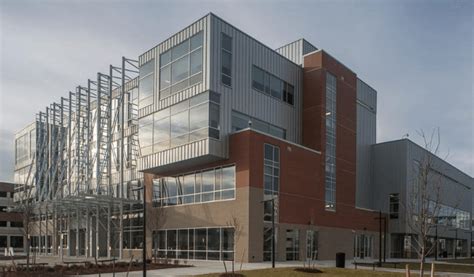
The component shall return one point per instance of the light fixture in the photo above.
(328, 113)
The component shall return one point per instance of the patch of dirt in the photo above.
(308, 270)
(231, 275)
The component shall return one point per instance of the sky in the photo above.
(417, 54)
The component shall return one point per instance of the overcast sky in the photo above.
(418, 55)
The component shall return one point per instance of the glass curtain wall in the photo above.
(195, 243)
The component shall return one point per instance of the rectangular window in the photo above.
(3, 194)
(269, 84)
(3, 241)
(330, 167)
(242, 121)
(3, 224)
(226, 60)
(267, 243)
(181, 66)
(203, 186)
(292, 245)
(394, 205)
(201, 244)
(271, 169)
(17, 241)
(18, 224)
(146, 81)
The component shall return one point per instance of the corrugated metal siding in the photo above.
(241, 97)
(295, 50)
(184, 152)
(366, 136)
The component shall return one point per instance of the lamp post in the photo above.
(380, 218)
(273, 228)
(142, 187)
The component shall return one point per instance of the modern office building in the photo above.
(226, 135)
(11, 224)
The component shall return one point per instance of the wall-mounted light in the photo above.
(328, 113)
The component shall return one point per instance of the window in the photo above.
(194, 119)
(242, 121)
(145, 87)
(17, 241)
(330, 167)
(267, 83)
(363, 246)
(271, 169)
(394, 205)
(145, 134)
(16, 224)
(267, 243)
(181, 66)
(292, 245)
(226, 60)
(3, 241)
(22, 148)
(271, 177)
(201, 244)
(3, 224)
(3, 194)
(203, 186)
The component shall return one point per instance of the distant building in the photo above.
(11, 224)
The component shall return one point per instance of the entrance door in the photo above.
(363, 246)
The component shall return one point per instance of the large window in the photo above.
(292, 245)
(226, 60)
(271, 178)
(16, 241)
(199, 243)
(147, 79)
(22, 148)
(267, 242)
(203, 186)
(190, 120)
(330, 169)
(394, 205)
(242, 121)
(181, 66)
(268, 83)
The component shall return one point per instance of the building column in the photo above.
(121, 233)
(109, 240)
(69, 227)
(87, 233)
(77, 233)
(97, 233)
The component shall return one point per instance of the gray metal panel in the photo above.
(393, 172)
(296, 49)
(366, 136)
(241, 97)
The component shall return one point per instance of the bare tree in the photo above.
(424, 201)
(235, 223)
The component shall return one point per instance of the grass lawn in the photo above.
(438, 267)
(327, 272)
(459, 261)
